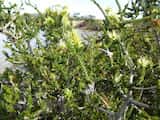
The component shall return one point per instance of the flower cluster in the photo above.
(144, 62)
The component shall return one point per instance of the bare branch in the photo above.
(111, 114)
(147, 88)
(106, 111)
(134, 102)
(138, 104)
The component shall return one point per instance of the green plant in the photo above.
(57, 76)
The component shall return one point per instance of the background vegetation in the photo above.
(57, 76)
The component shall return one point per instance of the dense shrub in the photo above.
(57, 76)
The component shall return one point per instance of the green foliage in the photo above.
(57, 76)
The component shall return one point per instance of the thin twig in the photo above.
(147, 88)
(138, 104)
(9, 34)
(120, 114)
(118, 5)
(100, 8)
(6, 32)
(134, 102)
(111, 114)
(33, 6)
(106, 22)
(157, 36)
(107, 111)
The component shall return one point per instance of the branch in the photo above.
(33, 6)
(135, 20)
(107, 52)
(138, 104)
(147, 88)
(9, 34)
(6, 32)
(123, 108)
(120, 114)
(119, 6)
(134, 102)
(131, 82)
(106, 22)
(100, 8)
(157, 36)
(111, 114)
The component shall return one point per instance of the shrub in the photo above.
(57, 76)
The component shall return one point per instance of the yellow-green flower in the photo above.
(144, 61)
(113, 17)
(112, 35)
(155, 11)
(49, 20)
(75, 39)
(62, 44)
(68, 93)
